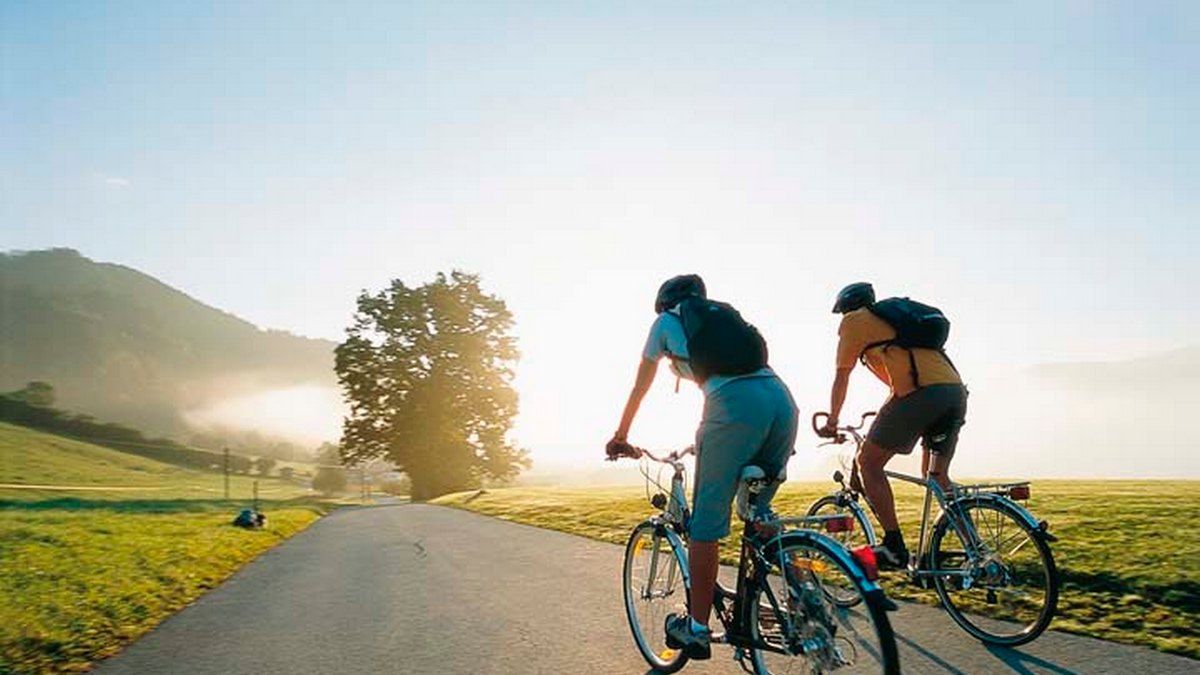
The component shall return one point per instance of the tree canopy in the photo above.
(427, 372)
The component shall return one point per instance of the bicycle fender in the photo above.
(828, 544)
(1038, 526)
(678, 548)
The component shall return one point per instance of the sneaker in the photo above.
(696, 644)
(888, 559)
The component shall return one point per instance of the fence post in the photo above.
(226, 473)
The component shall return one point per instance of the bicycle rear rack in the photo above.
(1017, 490)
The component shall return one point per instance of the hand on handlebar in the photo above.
(618, 448)
(827, 430)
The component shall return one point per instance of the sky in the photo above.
(1032, 169)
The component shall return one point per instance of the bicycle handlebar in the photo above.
(840, 437)
(634, 452)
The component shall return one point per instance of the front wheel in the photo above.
(654, 587)
(861, 534)
(1008, 593)
(801, 628)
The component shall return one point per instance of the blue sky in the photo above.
(1033, 169)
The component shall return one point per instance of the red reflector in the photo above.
(865, 556)
(1018, 492)
(839, 524)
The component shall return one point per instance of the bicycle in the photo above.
(986, 556)
(780, 614)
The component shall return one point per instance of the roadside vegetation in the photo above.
(114, 543)
(1128, 554)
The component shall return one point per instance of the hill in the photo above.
(121, 345)
(32, 457)
(50, 467)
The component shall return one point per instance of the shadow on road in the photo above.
(1017, 661)
(933, 658)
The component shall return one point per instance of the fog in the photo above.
(307, 414)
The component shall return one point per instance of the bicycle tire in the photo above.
(848, 540)
(873, 610)
(1050, 574)
(653, 649)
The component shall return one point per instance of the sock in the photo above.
(698, 627)
(894, 540)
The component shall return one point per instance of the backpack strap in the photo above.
(912, 360)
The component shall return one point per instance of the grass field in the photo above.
(85, 570)
(1128, 555)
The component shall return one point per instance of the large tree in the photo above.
(427, 373)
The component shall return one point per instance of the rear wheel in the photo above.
(804, 629)
(1009, 595)
(654, 588)
(860, 535)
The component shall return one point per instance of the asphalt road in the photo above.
(424, 589)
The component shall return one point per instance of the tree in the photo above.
(263, 465)
(329, 479)
(287, 473)
(427, 373)
(328, 453)
(37, 394)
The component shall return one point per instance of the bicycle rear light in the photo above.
(842, 523)
(865, 557)
(1020, 492)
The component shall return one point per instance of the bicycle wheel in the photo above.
(817, 634)
(1013, 591)
(654, 588)
(861, 535)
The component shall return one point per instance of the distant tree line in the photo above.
(33, 407)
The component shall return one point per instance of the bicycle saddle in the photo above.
(753, 480)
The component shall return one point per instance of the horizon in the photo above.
(1034, 173)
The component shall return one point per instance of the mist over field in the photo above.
(305, 414)
(1122, 419)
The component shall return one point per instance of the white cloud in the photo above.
(116, 182)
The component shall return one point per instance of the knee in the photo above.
(872, 459)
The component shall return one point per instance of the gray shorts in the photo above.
(933, 414)
(747, 421)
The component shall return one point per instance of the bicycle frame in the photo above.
(950, 505)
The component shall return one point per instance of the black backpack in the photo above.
(720, 342)
(917, 326)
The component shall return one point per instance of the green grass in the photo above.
(29, 457)
(84, 572)
(1128, 555)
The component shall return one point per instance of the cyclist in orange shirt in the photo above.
(927, 401)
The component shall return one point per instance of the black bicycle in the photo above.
(782, 616)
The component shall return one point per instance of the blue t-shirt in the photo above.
(667, 338)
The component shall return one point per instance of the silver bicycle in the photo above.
(780, 617)
(985, 554)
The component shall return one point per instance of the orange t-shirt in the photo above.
(889, 363)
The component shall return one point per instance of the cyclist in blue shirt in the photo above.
(749, 418)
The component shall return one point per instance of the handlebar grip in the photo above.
(817, 427)
(618, 449)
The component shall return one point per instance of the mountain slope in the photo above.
(121, 345)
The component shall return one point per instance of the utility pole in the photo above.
(226, 473)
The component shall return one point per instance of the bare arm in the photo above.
(645, 377)
(837, 394)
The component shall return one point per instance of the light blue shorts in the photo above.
(751, 420)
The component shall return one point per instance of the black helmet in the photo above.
(677, 288)
(855, 296)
